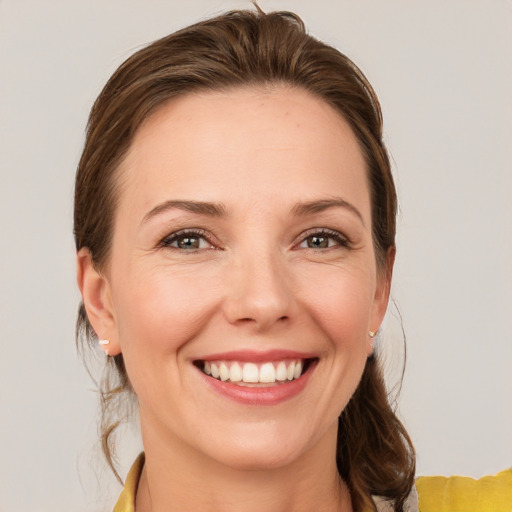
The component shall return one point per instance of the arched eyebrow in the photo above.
(312, 207)
(199, 207)
(219, 210)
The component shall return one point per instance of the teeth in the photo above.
(280, 371)
(235, 373)
(267, 373)
(290, 372)
(223, 372)
(298, 370)
(251, 373)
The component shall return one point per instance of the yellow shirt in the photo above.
(435, 493)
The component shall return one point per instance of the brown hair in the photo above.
(239, 49)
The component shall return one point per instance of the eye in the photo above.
(323, 239)
(187, 240)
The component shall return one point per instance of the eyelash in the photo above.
(340, 239)
(200, 234)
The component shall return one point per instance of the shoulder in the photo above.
(463, 494)
(431, 494)
(457, 494)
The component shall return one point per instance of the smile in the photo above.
(257, 378)
(254, 374)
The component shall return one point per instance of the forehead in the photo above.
(244, 143)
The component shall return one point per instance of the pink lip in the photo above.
(271, 395)
(256, 356)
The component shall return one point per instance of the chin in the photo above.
(264, 448)
(254, 459)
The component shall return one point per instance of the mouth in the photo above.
(251, 374)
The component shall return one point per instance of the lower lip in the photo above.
(271, 395)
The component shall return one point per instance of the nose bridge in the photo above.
(260, 289)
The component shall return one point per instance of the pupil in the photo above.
(188, 243)
(318, 242)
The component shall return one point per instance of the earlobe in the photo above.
(96, 296)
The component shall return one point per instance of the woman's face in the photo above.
(242, 249)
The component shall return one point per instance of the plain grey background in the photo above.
(443, 72)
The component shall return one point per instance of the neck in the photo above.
(177, 478)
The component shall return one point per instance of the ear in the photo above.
(382, 292)
(96, 295)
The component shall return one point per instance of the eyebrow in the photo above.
(199, 207)
(219, 210)
(312, 207)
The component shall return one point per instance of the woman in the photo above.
(235, 226)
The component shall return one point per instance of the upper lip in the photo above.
(255, 356)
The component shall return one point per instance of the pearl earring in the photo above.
(371, 334)
(103, 344)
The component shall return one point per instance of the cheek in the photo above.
(340, 303)
(158, 313)
(339, 307)
(161, 309)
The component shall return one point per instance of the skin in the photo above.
(255, 280)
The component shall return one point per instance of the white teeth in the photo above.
(267, 373)
(290, 372)
(251, 373)
(281, 371)
(223, 372)
(235, 373)
(298, 370)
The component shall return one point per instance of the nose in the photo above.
(259, 292)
